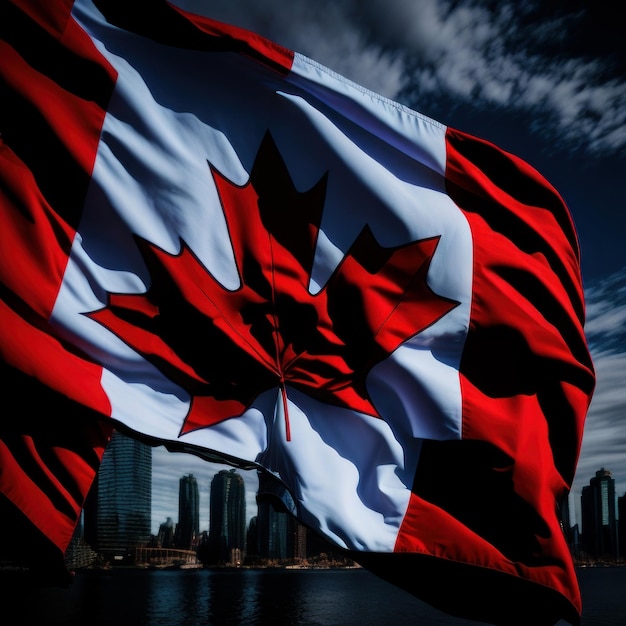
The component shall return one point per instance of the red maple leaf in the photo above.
(227, 347)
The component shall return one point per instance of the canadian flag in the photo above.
(214, 242)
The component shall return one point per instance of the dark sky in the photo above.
(543, 80)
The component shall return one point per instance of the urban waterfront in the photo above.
(255, 597)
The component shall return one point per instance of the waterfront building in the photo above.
(274, 528)
(575, 541)
(117, 516)
(252, 540)
(227, 523)
(188, 527)
(599, 518)
(165, 538)
(278, 534)
(300, 542)
(566, 522)
(621, 525)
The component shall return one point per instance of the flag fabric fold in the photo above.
(214, 243)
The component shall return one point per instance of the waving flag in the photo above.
(214, 243)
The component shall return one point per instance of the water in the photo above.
(258, 598)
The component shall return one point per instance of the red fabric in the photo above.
(250, 43)
(46, 158)
(528, 291)
(51, 16)
(491, 499)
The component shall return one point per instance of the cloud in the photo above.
(501, 55)
(606, 312)
(513, 57)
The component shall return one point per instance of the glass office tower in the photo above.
(118, 513)
(599, 516)
(188, 526)
(227, 524)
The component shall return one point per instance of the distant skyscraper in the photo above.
(165, 538)
(119, 508)
(566, 523)
(279, 535)
(599, 520)
(227, 524)
(252, 540)
(273, 531)
(621, 524)
(188, 527)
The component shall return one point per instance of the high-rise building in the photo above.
(621, 525)
(564, 515)
(599, 519)
(279, 535)
(188, 527)
(119, 508)
(165, 538)
(252, 540)
(227, 524)
(566, 523)
(274, 529)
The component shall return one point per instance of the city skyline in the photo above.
(166, 479)
(599, 535)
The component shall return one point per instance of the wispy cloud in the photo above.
(606, 313)
(513, 55)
